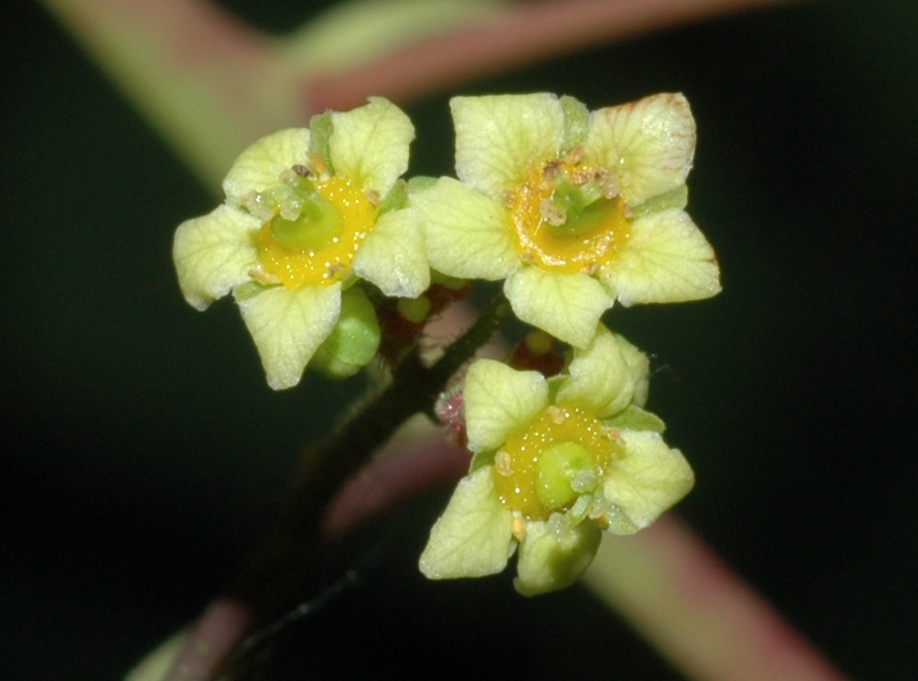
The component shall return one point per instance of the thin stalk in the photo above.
(290, 565)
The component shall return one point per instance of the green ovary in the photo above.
(560, 454)
(316, 248)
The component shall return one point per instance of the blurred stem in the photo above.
(698, 614)
(211, 85)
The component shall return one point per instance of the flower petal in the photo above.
(288, 327)
(645, 481)
(647, 144)
(599, 377)
(214, 253)
(259, 166)
(468, 235)
(554, 558)
(392, 255)
(639, 364)
(667, 260)
(568, 306)
(473, 537)
(370, 144)
(501, 138)
(498, 401)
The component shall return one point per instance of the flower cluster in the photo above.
(330, 256)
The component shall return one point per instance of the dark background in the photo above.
(144, 449)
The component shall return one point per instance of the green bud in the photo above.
(560, 469)
(354, 340)
(414, 309)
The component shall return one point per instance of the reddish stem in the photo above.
(698, 613)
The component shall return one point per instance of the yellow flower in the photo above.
(556, 462)
(575, 209)
(307, 212)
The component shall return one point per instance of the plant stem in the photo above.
(696, 612)
(289, 566)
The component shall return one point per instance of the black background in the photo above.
(144, 450)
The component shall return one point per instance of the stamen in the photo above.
(263, 277)
(373, 197)
(551, 213)
(503, 464)
(518, 526)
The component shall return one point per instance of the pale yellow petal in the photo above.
(473, 537)
(645, 481)
(568, 306)
(392, 255)
(259, 167)
(600, 378)
(214, 253)
(370, 144)
(648, 144)
(468, 234)
(667, 260)
(499, 401)
(553, 558)
(639, 364)
(288, 327)
(500, 138)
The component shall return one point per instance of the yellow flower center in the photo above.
(544, 467)
(568, 217)
(313, 236)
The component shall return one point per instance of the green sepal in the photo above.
(676, 198)
(554, 384)
(479, 459)
(420, 182)
(321, 128)
(446, 281)
(250, 289)
(634, 418)
(576, 122)
(396, 199)
(354, 340)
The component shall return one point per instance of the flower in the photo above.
(555, 462)
(574, 209)
(307, 212)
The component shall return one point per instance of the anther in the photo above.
(503, 463)
(551, 213)
(557, 414)
(574, 156)
(373, 197)
(518, 526)
(263, 277)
